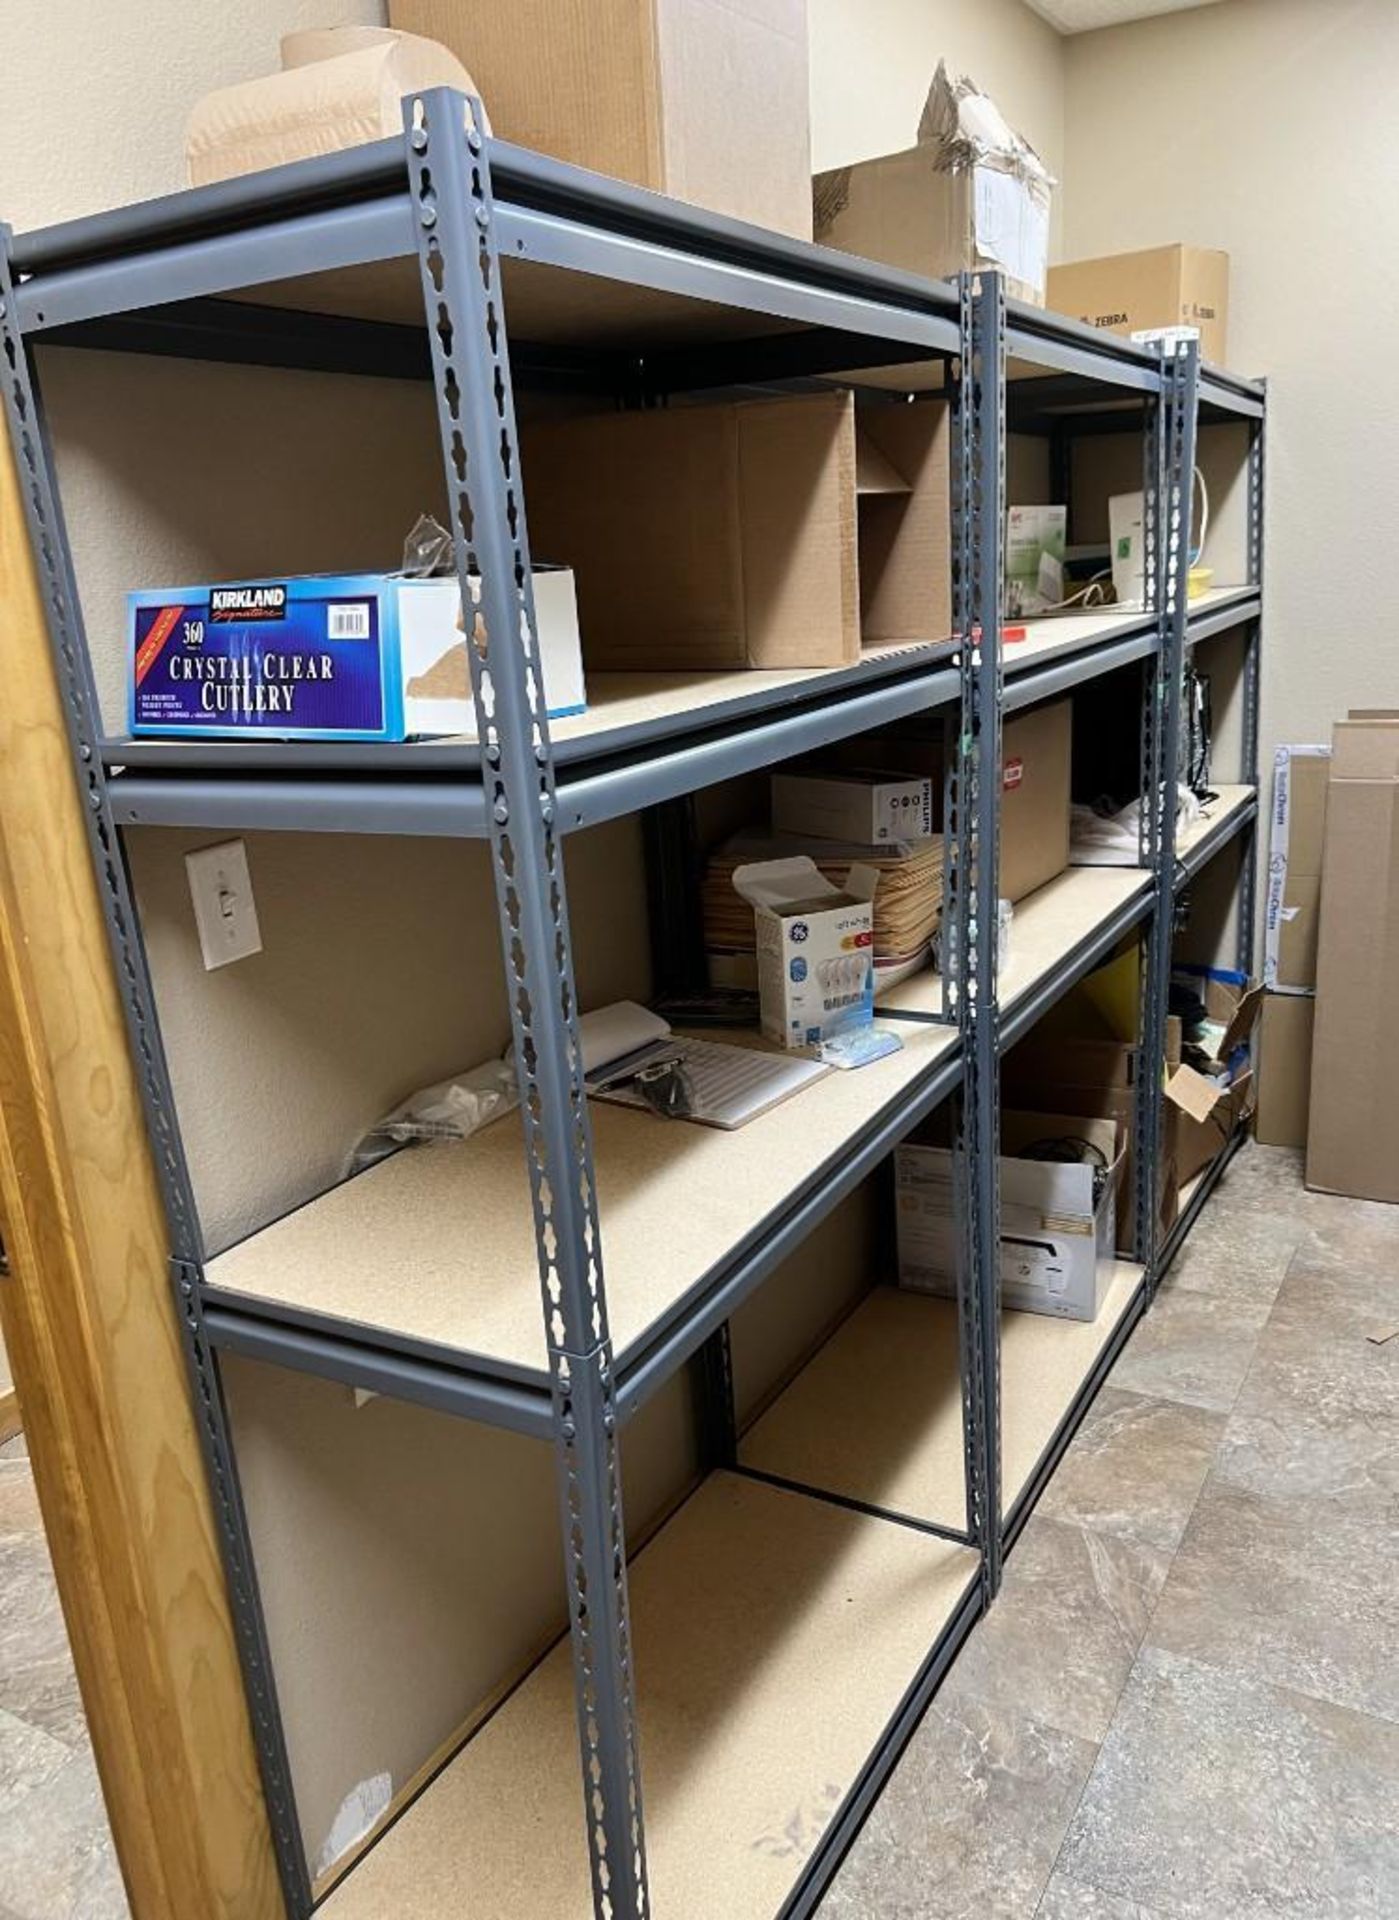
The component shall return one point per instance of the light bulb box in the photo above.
(815, 945)
(364, 656)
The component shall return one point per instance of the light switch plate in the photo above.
(224, 909)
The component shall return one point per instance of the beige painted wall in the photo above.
(93, 97)
(872, 60)
(1267, 127)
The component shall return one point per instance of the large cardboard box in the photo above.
(1284, 1069)
(708, 100)
(1158, 287)
(1300, 776)
(1036, 767)
(766, 533)
(1353, 1129)
(1058, 1218)
(971, 193)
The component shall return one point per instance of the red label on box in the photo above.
(1012, 773)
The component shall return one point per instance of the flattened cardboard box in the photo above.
(702, 99)
(1156, 287)
(767, 533)
(1353, 1126)
(1298, 831)
(1284, 1069)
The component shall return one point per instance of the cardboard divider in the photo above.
(739, 534)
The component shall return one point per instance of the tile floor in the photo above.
(1185, 1705)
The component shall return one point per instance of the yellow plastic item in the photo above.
(1198, 582)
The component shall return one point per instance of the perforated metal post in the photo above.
(970, 949)
(450, 185)
(1166, 518)
(1253, 644)
(63, 613)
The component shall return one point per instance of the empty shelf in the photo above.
(1052, 635)
(775, 1637)
(1044, 1365)
(434, 1249)
(877, 1414)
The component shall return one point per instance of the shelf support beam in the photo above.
(454, 215)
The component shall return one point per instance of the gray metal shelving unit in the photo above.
(471, 236)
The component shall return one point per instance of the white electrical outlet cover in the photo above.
(224, 909)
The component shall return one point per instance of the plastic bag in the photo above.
(452, 1110)
(427, 550)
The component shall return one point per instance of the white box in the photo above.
(432, 649)
(862, 809)
(1034, 559)
(1057, 1237)
(815, 949)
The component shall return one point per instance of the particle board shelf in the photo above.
(876, 1414)
(432, 1252)
(644, 738)
(1060, 651)
(1221, 821)
(1056, 934)
(775, 1639)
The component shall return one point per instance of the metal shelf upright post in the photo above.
(451, 188)
(1168, 483)
(970, 957)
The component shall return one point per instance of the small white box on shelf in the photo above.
(862, 809)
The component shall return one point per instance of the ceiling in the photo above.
(1080, 16)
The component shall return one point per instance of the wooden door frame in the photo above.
(89, 1322)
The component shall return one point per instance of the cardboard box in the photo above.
(702, 99)
(815, 949)
(1353, 1125)
(866, 808)
(1082, 1058)
(1284, 1069)
(1300, 776)
(364, 656)
(971, 193)
(1158, 287)
(1057, 1234)
(1036, 766)
(1210, 1106)
(768, 533)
